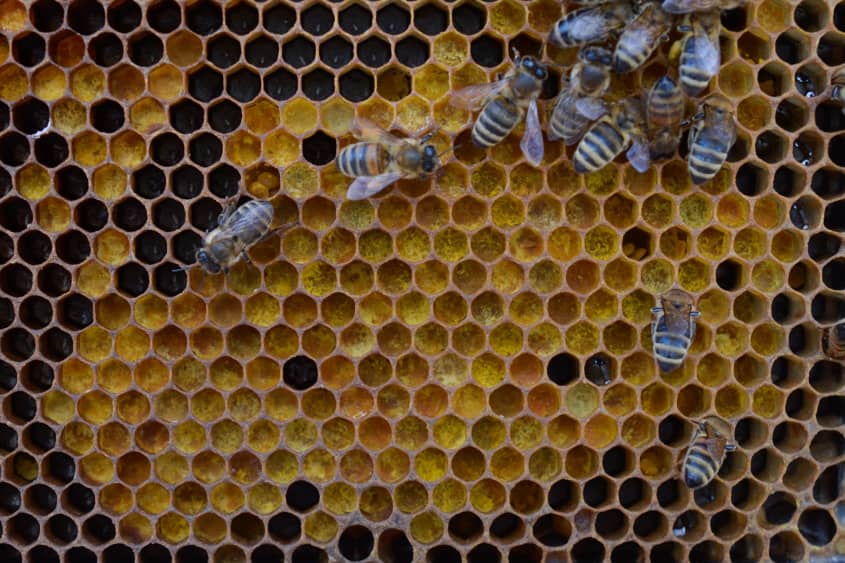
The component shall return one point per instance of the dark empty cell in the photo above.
(628, 552)
(51, 150)
(56, 344)
(118, 553)
(301, 495)
(829, 116)
(833, 274)
(633, 492)
(148, 182)
(827, 376)
(169, 279)
(827, 308)
(431, 19)
(649, 523)
(29, 49)
(773, 79)
(224, 181)
(487, 51)
(204, 17)
(412, 52)
(837, 150)
(441, 554)
(823, 245)
(791, 47)
(91, 215)
(599, 369)
(10, 498)
(196, 554)
(106, 49)
(15, 214)
(299, 52)
(59, 467)
(132, 279)
(318, 85)
(186, 116)
(284, 527)
(41, 497)
(668, 493)
(770, 146)
(262, 51)
(563, 369)
(482, 553)
(831, 411)
(145, 49)
(44, 439)
(811, 16)
(735, 20)
(317, 19)
(7, 248)
(8, 377)
(86, 16)
(204, 214)
(14, 149)
(355, 19)
(31, 116)
(224, 117)
(205, 84)
(15, 280)
(834, 216)
(24, 528)
(465, 527)
(167, 149)
(507, 527)
(739, 150)
(243, 85)
(671, 431)
(99, 529)
(798, 340)
(71, 182)
(150, 247)
(80, 498)
(596, 491)
(130, 214)
(828, 485)
(155, 553)
(831, 49)
(751, 179)
(242, 18)
(729, 275)
(356, 543)
(828, 183)
(300, 372)
(62, 528)
(223, 51)
(319, 148)
(588, 550)
(4, 116)
(309, 554)
(374, 52)
(524, 43)
(393, 19)
(80, 554)
(7, 312)
(280, 84)
(54, 280)
(164, 16)
(22, 406)
(279, 19)
(205, 149)
(46, 15)
(8, 443)
(336, 52)
(185, 245)
(168, 215)
(186, 181)
(124, 16)
(611, 523)
(788, 182)
(36, 312)
(469, 18)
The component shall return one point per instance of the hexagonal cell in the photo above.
(336, 52)
(355, 19)
(487, 51)
(280, 84)
(356, 85)
(774, 79)
(145, 49)
(393, 83)
(754, 47)
(810, 80)
(223, 51)
(412, 51)
(318, 85)
(792, 46)
(204, 17)
(299, 52)
(637, 244)
(262, 51)
(770, 146)
(29, 49)
(205, 84)
(393, 19)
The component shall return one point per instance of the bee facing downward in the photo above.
(664, 112)
(237, 230)
(381, 159)
(833, 341)
(704, 458)
(673, 329)
(711, 139)
(580, 99)
(641, 38)
(504, 103)
(700, 56)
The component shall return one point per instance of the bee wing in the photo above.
(590, 27)
(687, 6)
(706, 48)
(638, 156)
(365, 129)
(368, 186)
(532, 138)
(473, 97)
(591, 108)
(716, 447)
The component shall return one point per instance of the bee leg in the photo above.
(245, 257)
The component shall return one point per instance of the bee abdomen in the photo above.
(562, 32)
(496, 120)
(694, 77)
(834, 342)
(706, 157)
(362, 159)
(700, 467)
(600, 145)
(257, 216)
(567, 124)
(631, 52)
(666, 106)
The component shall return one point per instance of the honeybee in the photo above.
(237, 230)
(623, 127)
(641, 38)
(664, 113)
(673, 329)
(381, 159)
(833, 342)
(838, 91)
(704, 457)
(504, 103)
(687, 6)
(700, 56)
(590, 24)
(711, 138)
(580, 101)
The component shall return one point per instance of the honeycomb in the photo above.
(410, 378)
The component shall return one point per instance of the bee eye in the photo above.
(429, 150)
(528, 62)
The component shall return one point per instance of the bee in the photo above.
(623, 127)
(591, 24)
(641, 38)
(381, 159)
(706, 453)
(504, 103)
(580, 101)
(700, 57)
(711, 138)
(833, 342)
(237, 230)
(687, 6)
(838, 91)
(664, 114)
(673, 329)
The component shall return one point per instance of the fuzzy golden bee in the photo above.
(504, 103)
(833, 341)
(664, 115)
(622, 128)
(700, 56)
(673, 329)
(711, 138)
(380, 159)
(237, 230)
(706, 453)
(641, 37)
(688, 6)
(591, 24)
(579, 101)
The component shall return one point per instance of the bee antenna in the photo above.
(516, 55)
(183, 268)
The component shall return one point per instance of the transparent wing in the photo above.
(707, 51)
(590, 27)
(591, 108)
(532, 138)
(687, 6)
(473, 97)
(638, 156)
(368, 186)
(245, 223)
(367, 130)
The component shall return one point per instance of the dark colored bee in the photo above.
(673, 329)
(833, 341)
(711, 139)
(591, 24)
(641, 38)
(237, 230)
(706, 453)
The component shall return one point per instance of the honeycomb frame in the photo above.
(406, 378)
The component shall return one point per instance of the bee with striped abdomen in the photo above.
(622, 128)
(504, 103)
(664, 114)
(591, 24)
(700, 56)
(704, 457)
(711, 139)
(687, 6)
(833, 341)
(641, 38)
(237, 230)
(673, 329)
(381, 158)
(580, 100)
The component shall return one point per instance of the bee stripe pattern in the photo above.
(699, 466)
(706, 158)
(362, 159)
(670, 349)
(666, 105)
(631, 53)
(693, 79)
(257, 214)
(494, 123)
(600, 145)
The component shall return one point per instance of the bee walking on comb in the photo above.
(706, 453)
(711, 138)
(673, 329)
(580, 100)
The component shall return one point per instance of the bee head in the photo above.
(429, 159)
(207, 262)
(596, 55)
(536, 69)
